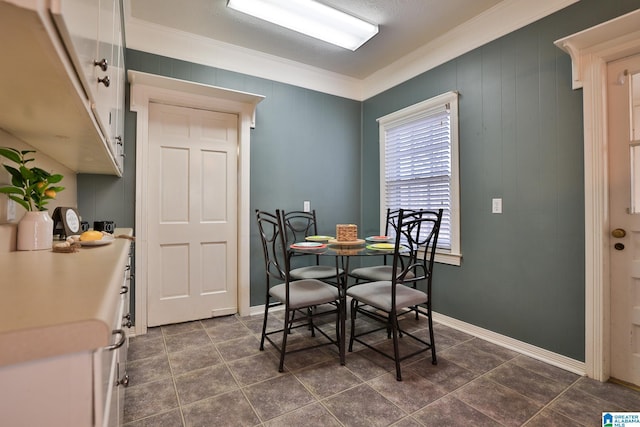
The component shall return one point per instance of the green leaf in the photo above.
(54, 178)
(11, 154)
(21, 202)
(12, 190)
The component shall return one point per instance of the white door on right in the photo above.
(623, 88)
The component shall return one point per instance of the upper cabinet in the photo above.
(63, 84)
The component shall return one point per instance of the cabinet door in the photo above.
(77, 23)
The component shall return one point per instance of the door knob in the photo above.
(618, 233)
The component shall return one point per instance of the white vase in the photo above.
(35, 231)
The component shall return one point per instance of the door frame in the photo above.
(591, 50)
(147, 88)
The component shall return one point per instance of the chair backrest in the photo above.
(418, 231)
(273, 245)
(299, 224)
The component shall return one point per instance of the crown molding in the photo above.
(506, 17)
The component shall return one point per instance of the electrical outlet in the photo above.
(306, 206)
(496, 206)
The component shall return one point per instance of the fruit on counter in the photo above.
(91, 235)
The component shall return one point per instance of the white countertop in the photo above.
(59, 303)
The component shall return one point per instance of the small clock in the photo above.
(66, 221)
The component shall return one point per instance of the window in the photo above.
(419, 166)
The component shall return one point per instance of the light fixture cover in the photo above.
(311, 18)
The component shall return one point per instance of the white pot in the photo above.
(35, 231)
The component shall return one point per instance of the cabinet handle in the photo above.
(120, 342)
(102, 64)
(124, 381)
(105, 81)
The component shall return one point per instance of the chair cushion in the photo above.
(305, 293)
(378, 273)
(314, 272)
(378, 294)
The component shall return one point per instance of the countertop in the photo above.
(59, 303)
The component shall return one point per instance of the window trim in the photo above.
(454, 255)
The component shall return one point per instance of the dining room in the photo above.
(521, 274)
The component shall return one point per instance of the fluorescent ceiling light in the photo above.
(311, 18)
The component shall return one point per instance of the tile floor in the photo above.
(211, 373)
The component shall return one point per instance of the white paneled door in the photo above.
(192, 214)
(623, 87)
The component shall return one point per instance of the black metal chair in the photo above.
(379, 272)
(386, 300)
(306, 296)
(298, 226)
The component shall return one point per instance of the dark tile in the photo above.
(253, 369)
(228, 330)
(194, 358)
(363, 406)
(238, 348)
(204, 383)
(172, 418)
(499, 351)
(362, 367)
(407, 422)
(150, 369)
(472, 358)
(446, 374)
(452, 333)
(526, 382)
(626, 398)
(582, 407)
(410, 394)
(310, 415)
(181, 328)
(327, 378)
(187, 340)
(278, 396)
(498, 402)
(549, 418)
(143, 348)
(546, 370)
(312, 356)
(149, 399)
(451, 412)
(230, 409)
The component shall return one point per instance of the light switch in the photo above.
(307, 206)
(496, 206)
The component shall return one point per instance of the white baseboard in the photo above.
(554, 359)
(532, 351)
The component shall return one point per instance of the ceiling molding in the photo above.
(504, 18)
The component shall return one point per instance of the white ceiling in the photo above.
(415, 36)
(405, 25)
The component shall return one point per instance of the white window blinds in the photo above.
(418, 167)
(419, 162)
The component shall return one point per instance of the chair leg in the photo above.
(285, 333)
(354, 308)
(264, 325)
(396, 345)
(434, 359)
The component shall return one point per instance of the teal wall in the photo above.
(522, 273)
(521, 139)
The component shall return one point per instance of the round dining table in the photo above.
(342, 252)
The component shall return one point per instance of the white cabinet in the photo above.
(93, 28)
(52, 98)
(84, 388)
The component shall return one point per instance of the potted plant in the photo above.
(32, 188)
